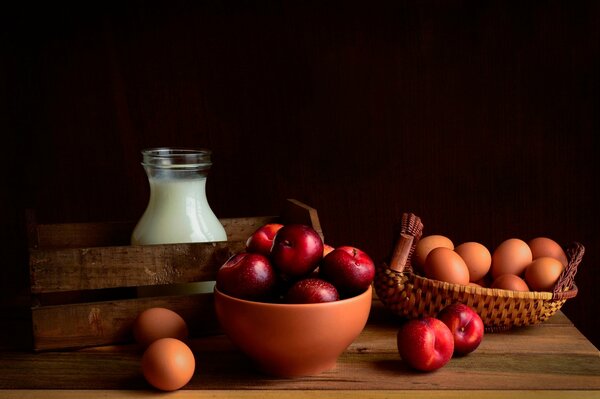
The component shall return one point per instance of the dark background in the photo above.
(479, 116)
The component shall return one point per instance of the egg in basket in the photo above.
(502, 297)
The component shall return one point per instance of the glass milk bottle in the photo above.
(178, 210)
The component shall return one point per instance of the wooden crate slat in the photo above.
(82, 235)
(297, 212)
(85, 235)
(101, 323)
(239, 229)
(141, 265)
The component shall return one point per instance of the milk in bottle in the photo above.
(178, 210)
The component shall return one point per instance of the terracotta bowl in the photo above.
(293, 340)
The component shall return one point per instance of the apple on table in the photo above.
(466, 326)
(425, 344)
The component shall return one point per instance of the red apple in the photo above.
(466, 327)
(247, 276)
(261, 240)
(297, 250)
(425, 344)
(349, 269)
(312, 290)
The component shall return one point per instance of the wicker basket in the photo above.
(409, 295)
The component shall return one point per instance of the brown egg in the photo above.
(543, 246)
(510, 282)
(542, 274)
(426, 244)
(446, 265)
(477, 257)
(511, 257)
(168, 364)
(156, 323)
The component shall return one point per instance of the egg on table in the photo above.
(156, 323)
(168, 364)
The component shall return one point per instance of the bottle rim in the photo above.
(177, 158)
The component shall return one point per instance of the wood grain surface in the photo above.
(550, 357)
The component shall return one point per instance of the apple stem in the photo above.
(401, 252)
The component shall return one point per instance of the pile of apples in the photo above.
(428, 343)
(291, 264)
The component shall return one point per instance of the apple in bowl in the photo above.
(248, 276)
(349, 269)
(311, 290)
(261, 241)
(297, 250)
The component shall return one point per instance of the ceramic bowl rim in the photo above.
(321, 305)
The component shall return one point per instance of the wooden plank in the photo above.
(84, 235)
(370, 363)
(239, 229)
(300, 213)
(101, 323)
(304, 394)
(74, 269)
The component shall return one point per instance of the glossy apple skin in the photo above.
(297, 250)
(349, 269)
(261, 241)
(312, 290)
(466, 327)
(425, 344)
(247, 276)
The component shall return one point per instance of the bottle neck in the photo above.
(175, 174)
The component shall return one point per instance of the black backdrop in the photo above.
(480, 116)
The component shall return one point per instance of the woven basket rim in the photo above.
(565, 287)
(483, 291)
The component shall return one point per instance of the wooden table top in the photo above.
(553, 360)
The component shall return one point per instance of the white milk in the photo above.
(178, 212)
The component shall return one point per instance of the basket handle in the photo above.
(411, 230)
(565, 288)
(401, 253)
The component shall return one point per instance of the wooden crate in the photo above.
(85, 277)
